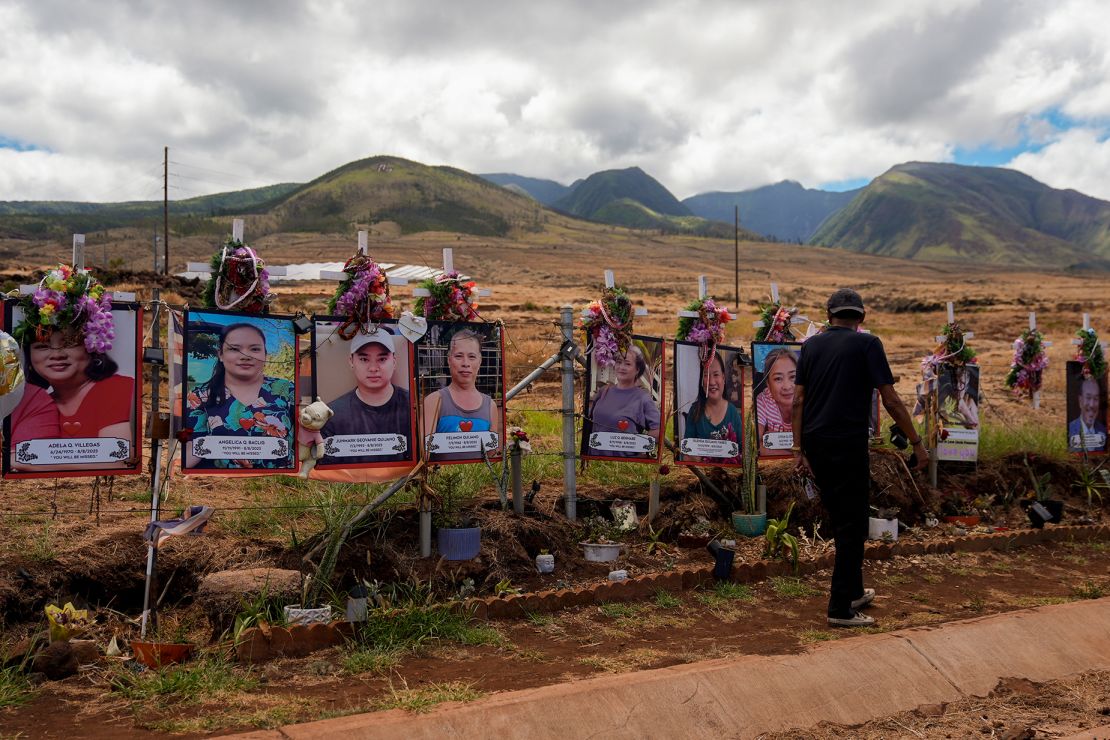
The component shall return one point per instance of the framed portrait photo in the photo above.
(239, 405)
(957, 391)
(460, 376)
(709, 405)
(81, 414)
(367, 379)
(774, 370)
(624, 404)
(1086, 411)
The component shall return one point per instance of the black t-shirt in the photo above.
(839, 369)
(353, 416)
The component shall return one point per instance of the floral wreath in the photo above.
(608, 321)
(952, 349)
(451, 299)
(72, 302)
(708, 329)
(776, 323)
(1090, 354)
(362, 297)
(239, 280)
(1030, 360)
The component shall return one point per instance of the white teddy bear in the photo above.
(313, 417)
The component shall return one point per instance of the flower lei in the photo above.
(239, 280)
(776, 323)
(1030, 360)
(362, 297)
(708, 329)
(451, 299)
(608, 321)
(72, 302)
(1090, 354)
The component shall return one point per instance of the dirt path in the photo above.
(779, 616)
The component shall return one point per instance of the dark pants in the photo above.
(842, 470)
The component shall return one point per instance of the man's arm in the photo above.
(800, 463)
(897, 410)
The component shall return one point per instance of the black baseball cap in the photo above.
(844, 301)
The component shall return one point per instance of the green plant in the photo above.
(505, 587)
(654, 545)
(201, 681)
(792, 588)
(449, 486)
(779, 539)
(1042, 486)
(750, 477)
(261, 607)
(1088, 590)
(1091, 481)
(599, 530)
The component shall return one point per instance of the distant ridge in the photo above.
(922, 210)
(545, 191)
(785, 211)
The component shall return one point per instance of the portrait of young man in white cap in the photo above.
(376, 405)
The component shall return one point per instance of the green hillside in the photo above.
(955, 212)
(588, 197)
(415, 196)
(545, 191)
(58, 218)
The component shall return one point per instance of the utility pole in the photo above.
(736, 258)
(166, 210)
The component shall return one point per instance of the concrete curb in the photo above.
(848, 681)
(257, 644)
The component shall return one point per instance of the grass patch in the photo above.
(666, 600)
(999, 440)
(192, 683)
(423, 699)
(370, 660)
(539, 620)
(625, 661)
(932, 578)
(617, 610)
(895, 579)
(1031, 601)
(15, 689)
(734, 591)
(1088, 590)
(792, 588)
(811, 636)
(246, 715)
(411, 628)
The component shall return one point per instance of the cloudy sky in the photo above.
(703, 95)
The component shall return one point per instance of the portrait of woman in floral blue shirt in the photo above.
(239, 400)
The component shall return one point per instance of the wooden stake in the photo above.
(774, 292)
(703, 287)
(78, 251)
(610, 281)
(951, 312)
(448, 259)
(363, 247)
(237, 229)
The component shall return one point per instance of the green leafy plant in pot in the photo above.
(600, 540)
(1039, 504)
(457, 537)
(750, 520)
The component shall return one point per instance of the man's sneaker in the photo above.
(856, 620)
(865, 600)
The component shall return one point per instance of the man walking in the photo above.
(837, 373)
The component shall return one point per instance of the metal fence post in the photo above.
(566, 325)
(514, 472)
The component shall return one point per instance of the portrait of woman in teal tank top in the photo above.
(460, 406)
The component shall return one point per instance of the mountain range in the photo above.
(916, 210)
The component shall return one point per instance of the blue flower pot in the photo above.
(459, 544)
(749, 525)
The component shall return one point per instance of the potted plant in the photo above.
(751, 519)
(698, 534)
(884, 525)
(598, 542)
(457, 538)
(168, 644)
(1039, 504)
(958, 509)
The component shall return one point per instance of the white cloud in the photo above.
(1077, 159)
(703, 94)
